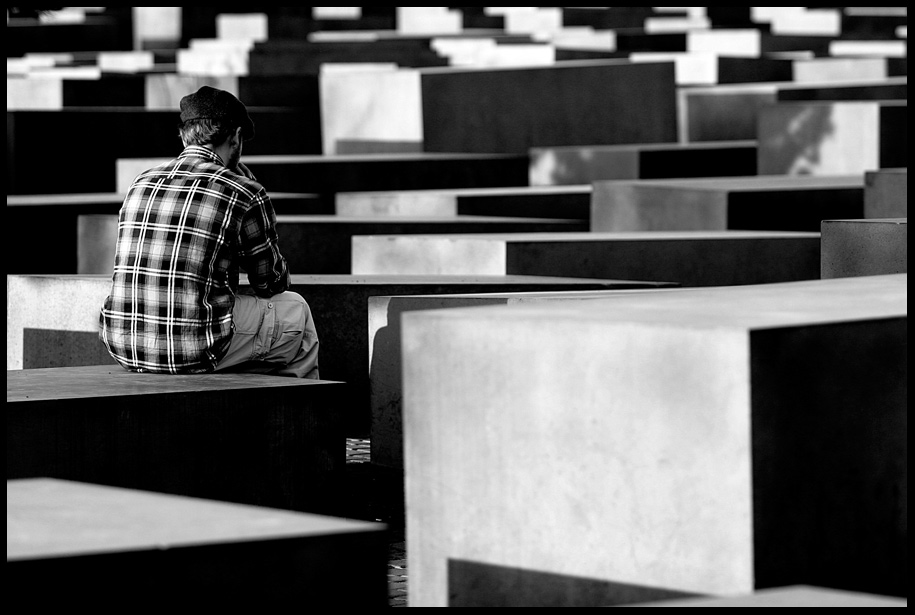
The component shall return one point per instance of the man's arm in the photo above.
(259, 251)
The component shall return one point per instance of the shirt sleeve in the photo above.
(259, 252)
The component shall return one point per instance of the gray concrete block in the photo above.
(685, 258)
(793, 596)
(326, 175)
(320, 244)
(203, 435)
(831, 138)
(34, 210)
(584, 164)
(886, 193)
(712, 441)
(577, 103)
(563, 202)
(489, 109)
(162, 548)
(722, 112)
(762, 203)
(385, 365)
(872, 246)
(732, 111)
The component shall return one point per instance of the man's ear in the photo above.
(234, 137)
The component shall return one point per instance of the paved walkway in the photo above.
(376, 494)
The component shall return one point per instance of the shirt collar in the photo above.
(198, 151)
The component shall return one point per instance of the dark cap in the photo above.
(211, 104)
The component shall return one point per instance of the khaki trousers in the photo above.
(273, 335)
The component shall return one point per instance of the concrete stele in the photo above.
(688, 258)
(378, 102)
(62, 303)
(886, 193)
(793, 596)
(820, 138)
(634, 440)
(385, 365)
(873, 246)
(772, 202)
(447, 202)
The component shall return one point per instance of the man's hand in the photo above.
(241, 169)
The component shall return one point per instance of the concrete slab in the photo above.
(585, 164)
(57, 93)
(488, 110)
(156, 27)
(34, 210)
(96, 240)
(327, 175)
(886, 88)
(54, 303)
(873, 22)
(295, 56)
(52, 321)
(831, 138)
(579, 103)
(732, 111)
(794, 596)
(606, 18)
(203, 435)
(771, 203)
(761, 69)
(279, 131)
(563, 202)
(709, 441)
(819, 70)
(793, 44)
(168, 548)
(873, 246)
(382, 104)
(213, 57)
(690, 67)
(322, 244)
(165, 91)
(385, 366)
(687, 258)
(886, 193)
(891, 47)
(109, 31)
(489, 53)
(722, 112)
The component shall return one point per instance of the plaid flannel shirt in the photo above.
(184, 230)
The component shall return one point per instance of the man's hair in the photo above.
(205, 132)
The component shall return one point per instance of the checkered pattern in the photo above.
(184, 230)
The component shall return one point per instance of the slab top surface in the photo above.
(392, 157)
(904, 221)
(24, 385)
(458, 192)
(755, 306)
(401, 220)
(51, 517)
(795, 595)
(649, 147)
(751, 182)
(599, 236)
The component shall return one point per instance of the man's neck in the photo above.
(223, 151)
